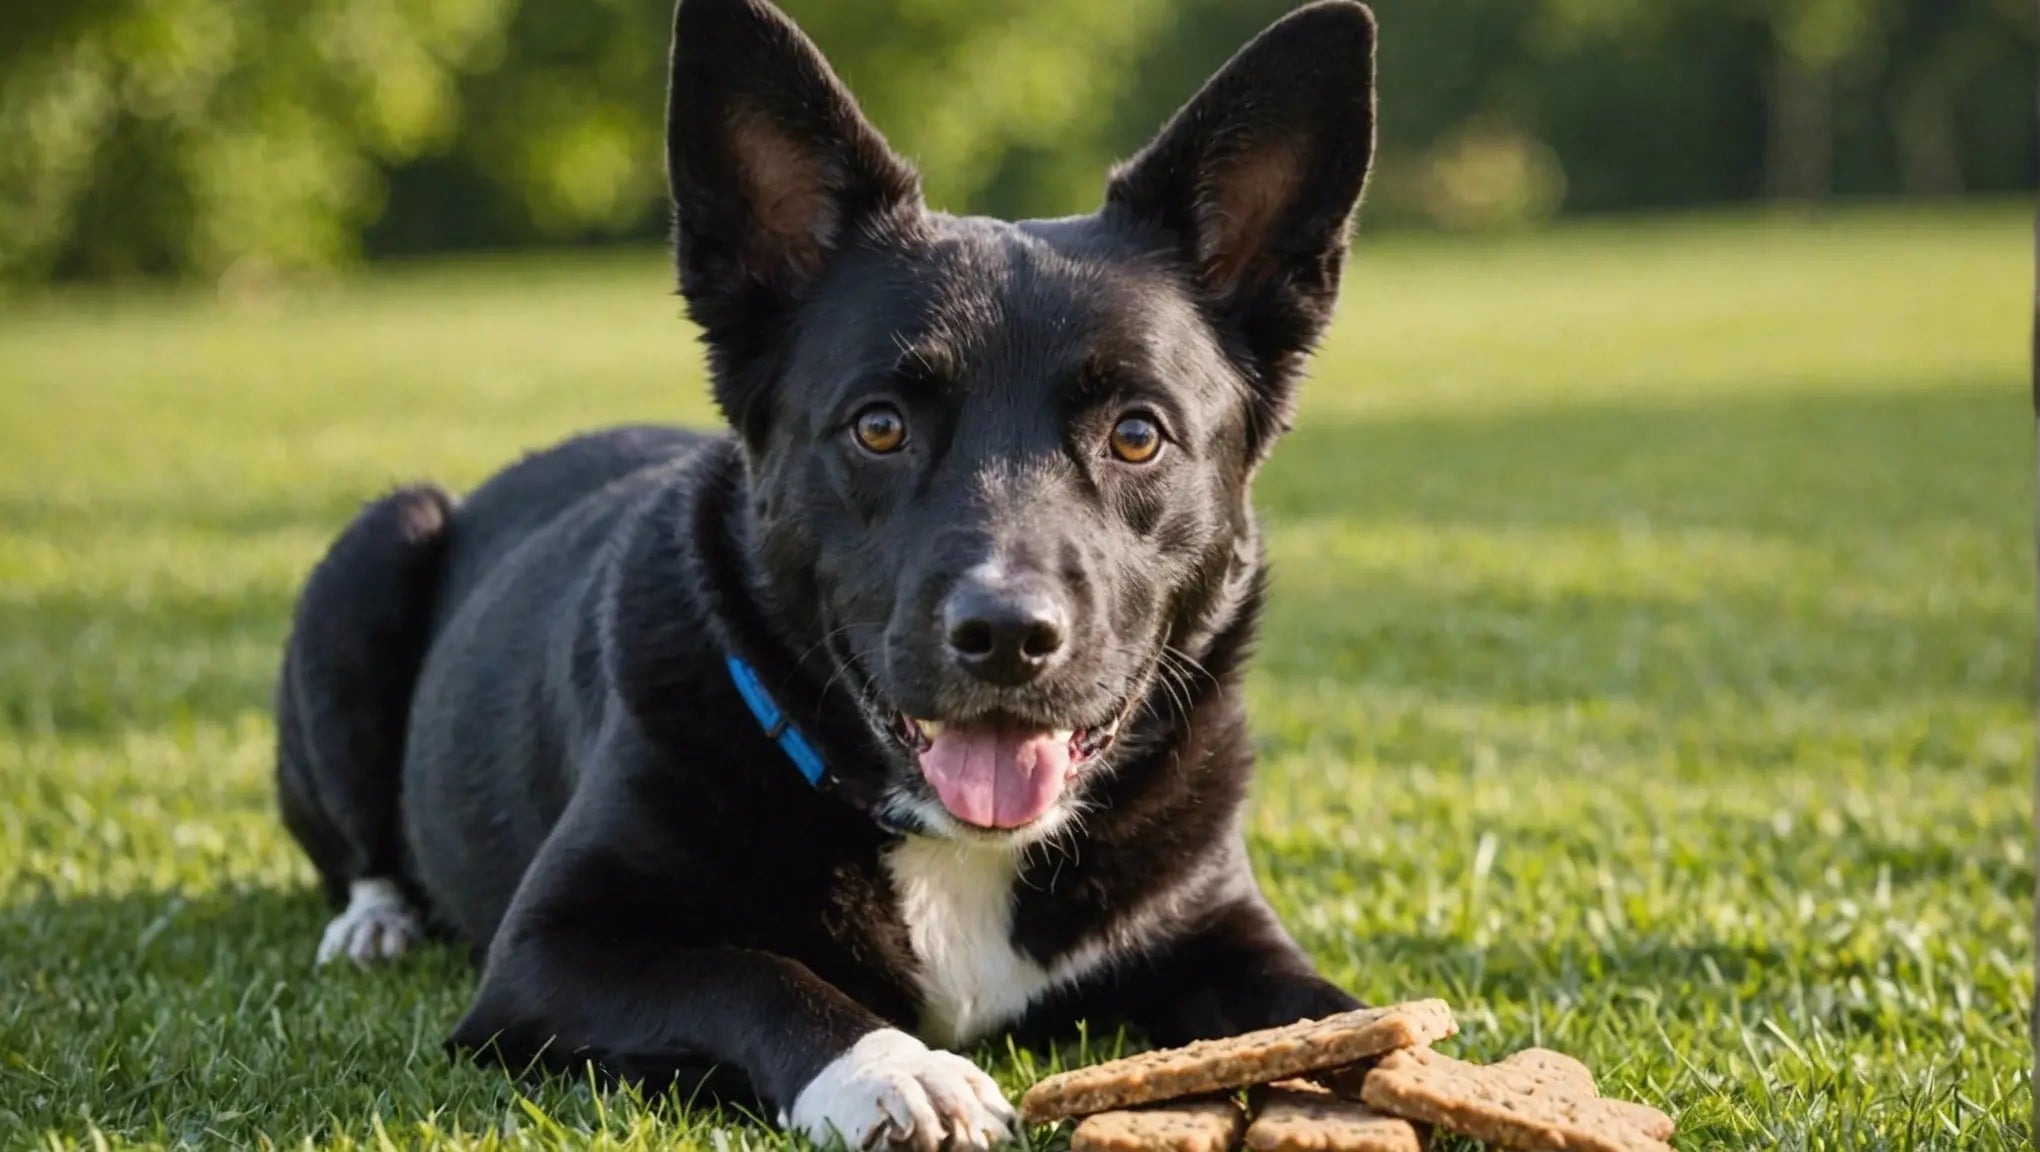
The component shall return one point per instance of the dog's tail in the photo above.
(343, 701)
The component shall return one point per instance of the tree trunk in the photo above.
(1923, 133)
(1799, 150)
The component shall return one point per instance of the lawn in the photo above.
(1647, 673)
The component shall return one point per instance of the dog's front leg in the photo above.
(604, 957)
(1237, 972)
(831, 1069)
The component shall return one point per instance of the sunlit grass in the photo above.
(1647, 671)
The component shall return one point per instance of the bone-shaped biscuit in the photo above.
(1536, 1104)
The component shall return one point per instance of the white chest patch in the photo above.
(957, 902)
(958, 905)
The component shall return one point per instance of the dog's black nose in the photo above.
(1007, 633)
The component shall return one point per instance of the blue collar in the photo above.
(778, 728)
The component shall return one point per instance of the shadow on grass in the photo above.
(1398, 634)
(201, 1019)
(311, 507)
(98, 665)
(1834, 464)
(1866, 549)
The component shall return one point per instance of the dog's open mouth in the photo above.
(998, 771)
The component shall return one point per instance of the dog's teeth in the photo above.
(1064, 734)
(929, 728)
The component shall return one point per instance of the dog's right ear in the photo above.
(773, 171)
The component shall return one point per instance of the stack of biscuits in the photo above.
(1361, 1081)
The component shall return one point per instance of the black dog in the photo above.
(912, 709)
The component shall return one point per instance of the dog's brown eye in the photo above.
(1136, 439)
(881, 429)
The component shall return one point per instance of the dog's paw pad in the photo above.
(376, 925)
(892, 1091)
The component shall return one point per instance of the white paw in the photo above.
(891, 1090)
(376, 924)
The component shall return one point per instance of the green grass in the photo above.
(1647, 673)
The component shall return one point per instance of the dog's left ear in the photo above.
(1256, 180)
(774, 172)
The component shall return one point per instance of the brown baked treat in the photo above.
(1556, 1067)
(1238, 1061)
(1299, 1117)
(1511, 1106)
(1206, 1124)
(1542, 1062)
(1564, 1069)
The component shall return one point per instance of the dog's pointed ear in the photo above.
(1256, 180)
(773, 171)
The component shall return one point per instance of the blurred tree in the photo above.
(989, 94)
(154, 136)
(176, 136)
(1955, 58)
(1812, 43)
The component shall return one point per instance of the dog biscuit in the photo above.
(1300, 1117)
(1556, 1067)
(1520, 1107)
(1565, 1070)
(1238, 1061)
(1209, 1124)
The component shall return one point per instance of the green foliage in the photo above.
(164, 136)
(1646, 671)
(148, 136)
(571, 127)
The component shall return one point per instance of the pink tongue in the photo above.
(996, 777)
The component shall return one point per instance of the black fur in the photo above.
(519, 707)
(344, 697)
